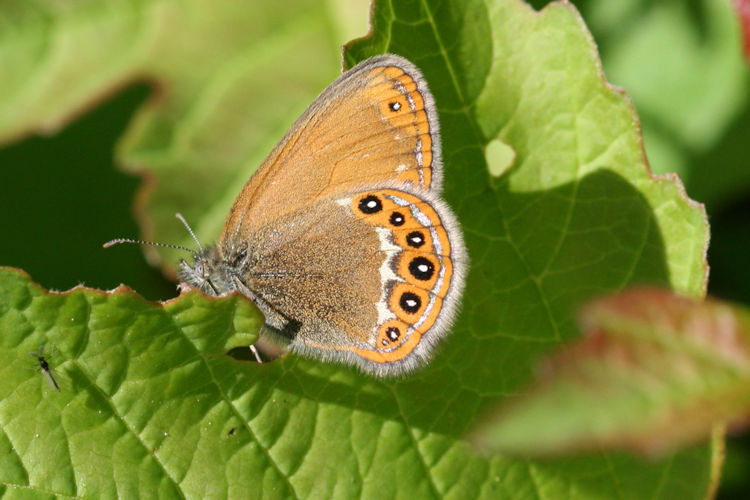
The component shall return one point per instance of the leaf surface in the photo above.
(570, 213)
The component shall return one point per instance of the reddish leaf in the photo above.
(656, 370)
(743, 12)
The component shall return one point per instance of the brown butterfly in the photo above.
(341, 237)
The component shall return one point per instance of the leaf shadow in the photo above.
(535, 257)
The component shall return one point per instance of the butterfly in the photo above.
(341, 237)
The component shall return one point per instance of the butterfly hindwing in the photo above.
(386, 287)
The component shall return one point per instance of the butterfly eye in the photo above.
(200, 269)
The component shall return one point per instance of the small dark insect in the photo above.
(232, 431)
(46, 370)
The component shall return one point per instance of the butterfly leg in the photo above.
(255, 352)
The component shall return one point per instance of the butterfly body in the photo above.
(341, 237)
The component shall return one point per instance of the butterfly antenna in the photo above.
(117, 241)
(190, 230)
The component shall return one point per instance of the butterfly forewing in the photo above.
(376, 123)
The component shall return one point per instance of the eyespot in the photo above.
(424, 271)
(415, 239)
(370, 204)
(410, 302)
(421, 268)
(397, 219)
(391, 333)
(394, 106)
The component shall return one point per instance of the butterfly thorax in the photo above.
(230, 267)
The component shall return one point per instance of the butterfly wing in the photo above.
(376, 123)
(371, 277)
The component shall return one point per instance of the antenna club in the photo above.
(114, 242)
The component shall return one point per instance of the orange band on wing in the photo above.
(402, 105)
(419, 255)
(380, 356)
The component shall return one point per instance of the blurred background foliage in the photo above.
(679, 60)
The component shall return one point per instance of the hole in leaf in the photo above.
(500, 157)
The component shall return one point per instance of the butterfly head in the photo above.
(209, 273)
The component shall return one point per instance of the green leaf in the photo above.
(693, 90)
(669, 367)
(146, 400)
(229, 78)
(576, 214)
(682, 64)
